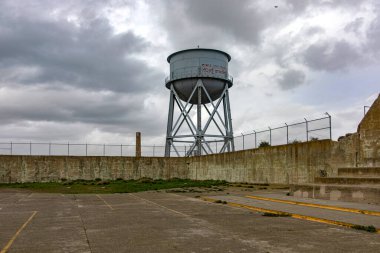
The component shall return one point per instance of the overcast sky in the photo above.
(93, 71)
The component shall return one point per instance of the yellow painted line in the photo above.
(293, 215)
(105, 202)
(9, 244)
(154, 203)
(336, 208)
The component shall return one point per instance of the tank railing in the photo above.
(196, 74)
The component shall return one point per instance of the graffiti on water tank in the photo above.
(213, 69)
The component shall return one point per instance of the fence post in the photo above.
(243, 139)
(154, 147)
(270, 136)
(185, 151)
(86, 149)
(30, 148)
(329, 123)
(287, 133)
(49, 148)
(68, 148)
(121, 149)
(104, 149)
(138, 144)
(307, 130)
(255, 139)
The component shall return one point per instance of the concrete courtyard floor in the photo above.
(161, 222)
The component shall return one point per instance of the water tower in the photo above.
(199, 81)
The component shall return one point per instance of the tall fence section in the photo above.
(306, 130)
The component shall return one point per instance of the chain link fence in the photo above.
(73, 149)
(315, 129)
(288, 133)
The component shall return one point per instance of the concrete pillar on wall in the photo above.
(138, 144)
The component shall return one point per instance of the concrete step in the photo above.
(359, 172)
(369, 194)
(347, 180)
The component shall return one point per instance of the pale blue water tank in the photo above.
(209, 65)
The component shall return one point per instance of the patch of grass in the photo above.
(276, 214)
(113, 186)
(370, 229)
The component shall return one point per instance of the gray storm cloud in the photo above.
(89, 57)
(291, 79)
(66, 65)
(58, 71)
(329, 57)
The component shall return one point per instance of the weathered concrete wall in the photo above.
(360, 149)
(369, 135)
(287, 164)
(56, 168)
(295, 163)
(344, 153)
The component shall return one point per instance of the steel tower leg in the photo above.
(199, 119)
(227, 123)
(231, 133)
(170, 123)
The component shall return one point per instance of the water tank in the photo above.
(188, 66)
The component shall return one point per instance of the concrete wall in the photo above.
(369, 135)
(287, 164)
(294, 163)
(56, 168)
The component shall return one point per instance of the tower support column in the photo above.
(170, 124)
(199, 118)
(199, 141)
